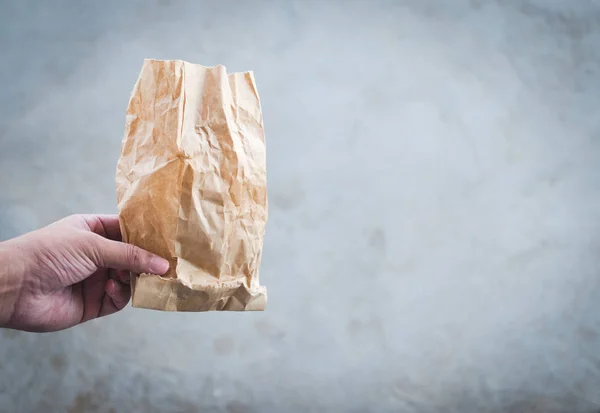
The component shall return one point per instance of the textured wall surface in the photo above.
(434, 181)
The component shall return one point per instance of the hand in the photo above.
(67, 273)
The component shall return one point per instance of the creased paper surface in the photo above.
(191, 186)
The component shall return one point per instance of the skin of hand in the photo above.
(69, 272)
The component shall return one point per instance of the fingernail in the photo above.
(159, 265)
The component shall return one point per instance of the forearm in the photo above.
(12, 274)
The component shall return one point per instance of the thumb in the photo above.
(121, 256)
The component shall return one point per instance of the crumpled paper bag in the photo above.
(191, 186)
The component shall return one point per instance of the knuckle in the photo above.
(92, 248)
(75, 218)
(133, 257)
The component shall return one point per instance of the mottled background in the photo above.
(434, 181)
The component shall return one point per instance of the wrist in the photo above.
(12, 276)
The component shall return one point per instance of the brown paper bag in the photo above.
(191, 186)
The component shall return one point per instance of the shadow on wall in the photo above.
(506, 402)
(524, 402)
(160, 390)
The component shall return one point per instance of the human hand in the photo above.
(69, 272)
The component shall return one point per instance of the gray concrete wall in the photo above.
(434, 182)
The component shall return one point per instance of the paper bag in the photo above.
(191, 186)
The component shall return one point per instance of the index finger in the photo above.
(105, 225)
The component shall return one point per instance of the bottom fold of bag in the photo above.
(170, 294)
